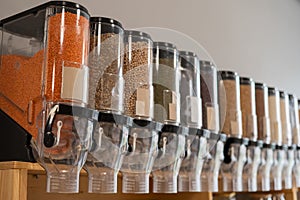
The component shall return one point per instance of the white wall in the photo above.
(260, 39)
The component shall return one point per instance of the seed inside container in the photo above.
(285, 118)
(247, 90)
(274, 113)
(65, 53)
(294, 119)
(262, 112)
(138, 58)
(229, 93)
(105, 62)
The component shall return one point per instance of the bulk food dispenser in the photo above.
(231, 124)
(210, 122)
(249, 124)
(109, 139)
(138, 104)
(166, 79)
(44, 86)
(294, 119)
(190, 116)
(276, 138)
(296, 139)
(286, 140)
(264, 134)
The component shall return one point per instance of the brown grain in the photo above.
(263, 127)
(248, 111)
(230, 108)
(105, 84)
(137, 74)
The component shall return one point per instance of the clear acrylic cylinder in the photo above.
(209, 96)
(249, 120)
(106, 65)
(294, 117)
(274, 114)
(286, 139)
(264, 134)
(109, 145)
(171, 151)
(230, 104)
(276, 137)
(139, 158)
(190, 116)
(190, 101)
(166, 90)
(137, 72)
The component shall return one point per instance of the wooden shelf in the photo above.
(27, 181)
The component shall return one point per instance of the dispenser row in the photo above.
(94, 95)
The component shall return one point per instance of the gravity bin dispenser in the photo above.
(109, 139)
(44, 87)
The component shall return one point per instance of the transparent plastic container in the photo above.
(210, 121)
(62, 146)
(137, 72)
(110, 133)
(190, 115)
(294, 117)
(276, 137)
(247, 89)
(109, 145)
(274, 114)
(250, 171)
(189, 178)
(286, 139)
(230, 104)
(166, 90)
(45, 50)
(52, 37)
(171, 151)
(106, 65)
(285, 119)
(264, 134)
(231, 124)
(262, 112)
(212, 157)
(265, 177)
(232, 179)
(209, 96)
(141, 153)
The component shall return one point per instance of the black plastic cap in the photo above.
(137, 33)
(272, 90)
(291, 97)
(165, 45)
(260, 85)
(206, 63)
(188, 60)
(143, 123)
(114, 118)
(44, 6)
(246, 80)
(282, 94)
(107, 20)
(187, 54)
(228, 75)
